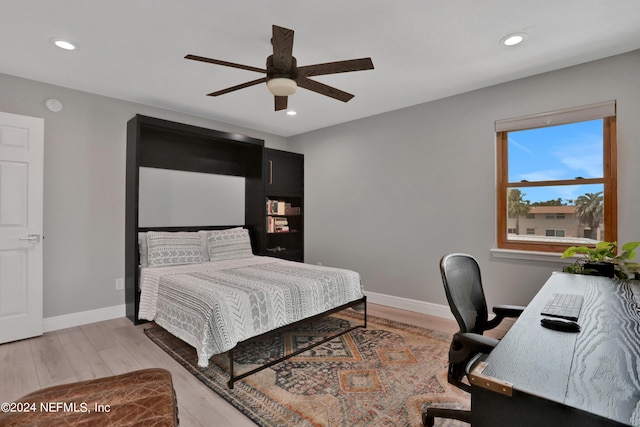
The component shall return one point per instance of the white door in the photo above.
(21, 196)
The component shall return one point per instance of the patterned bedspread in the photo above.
(214, 305)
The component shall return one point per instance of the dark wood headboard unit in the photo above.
(188, 228)
(163, 144)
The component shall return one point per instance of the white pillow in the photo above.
(143, 250)
(229, 244)
(166, 248)
(204, 235)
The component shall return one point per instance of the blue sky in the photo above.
(554, 153)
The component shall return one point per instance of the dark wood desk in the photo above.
(591, 378)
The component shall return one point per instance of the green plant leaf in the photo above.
(630, 250)
(606, 245)
(569, 252)
(630, 246)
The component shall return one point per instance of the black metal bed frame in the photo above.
(233, 378)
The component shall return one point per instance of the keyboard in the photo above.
(565, 306)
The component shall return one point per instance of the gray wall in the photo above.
(389, 195)
(386, 195)
(84, 188)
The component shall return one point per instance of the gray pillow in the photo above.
(229, 244)
(166, 248)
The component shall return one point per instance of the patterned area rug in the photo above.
(384, 375)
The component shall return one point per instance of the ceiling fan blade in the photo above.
(237, 87)
(336, 67)
(225, 63)
(323, 89)
(280, 102)
(282, 41)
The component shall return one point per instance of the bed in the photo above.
(208, 289)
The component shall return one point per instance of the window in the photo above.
(556, 179)
(554, 216)
(554, 233)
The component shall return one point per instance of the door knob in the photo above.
(34, 238)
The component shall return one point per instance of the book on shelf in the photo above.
(277, 224)
(275, 207)
(280, 207)
(292, 210)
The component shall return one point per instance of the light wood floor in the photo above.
(117, 346)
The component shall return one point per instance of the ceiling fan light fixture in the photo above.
(283, 76)
(281, 86)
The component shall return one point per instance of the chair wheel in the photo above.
(427, 421)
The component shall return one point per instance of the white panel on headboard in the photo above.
(181, 198)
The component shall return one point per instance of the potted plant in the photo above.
(603, 260)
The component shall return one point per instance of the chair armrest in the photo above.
(503, 311)
(508, 310)
(477, 343)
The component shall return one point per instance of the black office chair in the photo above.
(463, 286)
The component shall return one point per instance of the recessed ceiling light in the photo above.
(291, 113)
(513, 39)
(63, 44)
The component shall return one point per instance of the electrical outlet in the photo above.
(119, 284)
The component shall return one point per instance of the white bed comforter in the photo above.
(214, 305)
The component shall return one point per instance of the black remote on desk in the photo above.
(563, 325)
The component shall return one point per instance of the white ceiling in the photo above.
(421, 49)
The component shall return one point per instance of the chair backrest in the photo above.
(463, 286)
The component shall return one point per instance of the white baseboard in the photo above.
(82, 318)
(437, 310)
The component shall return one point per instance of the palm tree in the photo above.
(517, 206)
(590, 211)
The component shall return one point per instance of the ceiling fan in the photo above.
(283, 75)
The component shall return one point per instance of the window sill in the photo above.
(530, 256)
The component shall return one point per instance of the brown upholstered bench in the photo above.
(140, 398)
